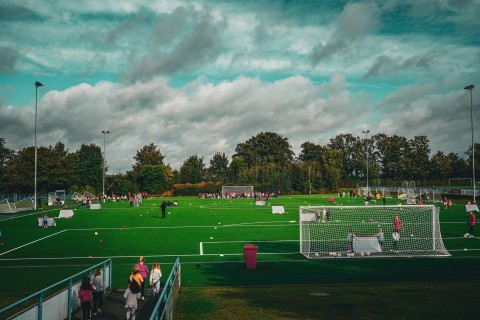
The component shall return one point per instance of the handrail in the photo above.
(169, 285)
(69, 280)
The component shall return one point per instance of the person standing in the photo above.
(472, 220)
(98, 293)
(164, 208)
(381, 238)
(132, 294)
(396, 228)
(350, 237)
(45, 220)
(143, 270)
(85, 297)
(396, 240)
(397, 224)
(155, 276)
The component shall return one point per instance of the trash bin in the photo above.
(250, 255)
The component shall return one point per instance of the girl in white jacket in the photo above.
(155, 276)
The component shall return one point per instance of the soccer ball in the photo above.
(466, 235)
(96, 233)
(316, 254)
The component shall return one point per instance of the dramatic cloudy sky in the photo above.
(199, 77)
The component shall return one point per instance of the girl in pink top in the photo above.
(143, 270)
(85, 297)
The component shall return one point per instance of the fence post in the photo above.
(40, 306)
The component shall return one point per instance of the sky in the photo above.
(200, 77)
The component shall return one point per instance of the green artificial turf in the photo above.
(36, 257)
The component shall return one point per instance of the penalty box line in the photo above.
(237, 241)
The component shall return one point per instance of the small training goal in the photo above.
(21, 205)
(368, 231)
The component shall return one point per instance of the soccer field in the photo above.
(209, 236)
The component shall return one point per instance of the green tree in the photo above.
(148, 155)
(237, 169)
(441, 166)
(353, 151)
(156, 179)
(218, 169)
(6, 156)
(266, 147)
(419, 163)
(192, 170)
(89, 167)
(20, 176)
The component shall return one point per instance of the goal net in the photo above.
(237, 191)
(21, 205)
(369, 231)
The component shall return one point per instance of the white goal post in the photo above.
(237, 191)
(369, 231)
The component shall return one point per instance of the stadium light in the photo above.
(366, 141)
(470, 88)
(37, 84)
(105, 132)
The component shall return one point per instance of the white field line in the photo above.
(26, 215)
(27, 244)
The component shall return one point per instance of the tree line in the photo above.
(265, 161)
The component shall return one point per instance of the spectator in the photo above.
(45, 220)
(155, 276)
(164, 208)
(381, 238)
(143, 270)
(350, 237)
(472, 220)
(132, 294)
(98, 293)
(85, 297)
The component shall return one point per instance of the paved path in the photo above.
(114, 307)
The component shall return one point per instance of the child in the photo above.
(350, 237)
(85, 297)
(155, 276)
(98, 294)
(381, 238)
(143, 270)
(396, 240)
(132, 294)
(131, 299)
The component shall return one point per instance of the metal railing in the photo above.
(164, 307)
(61, 304)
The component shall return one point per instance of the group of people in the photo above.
(91, 290)
(397, 226)
(136, 285)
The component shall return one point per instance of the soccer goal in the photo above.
(237, 191)
(22, 205)
(372, 233)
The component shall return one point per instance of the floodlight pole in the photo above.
(105, 132)
(366, 142)
(37, 84)
(470, 88)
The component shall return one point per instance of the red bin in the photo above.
(250, 255)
